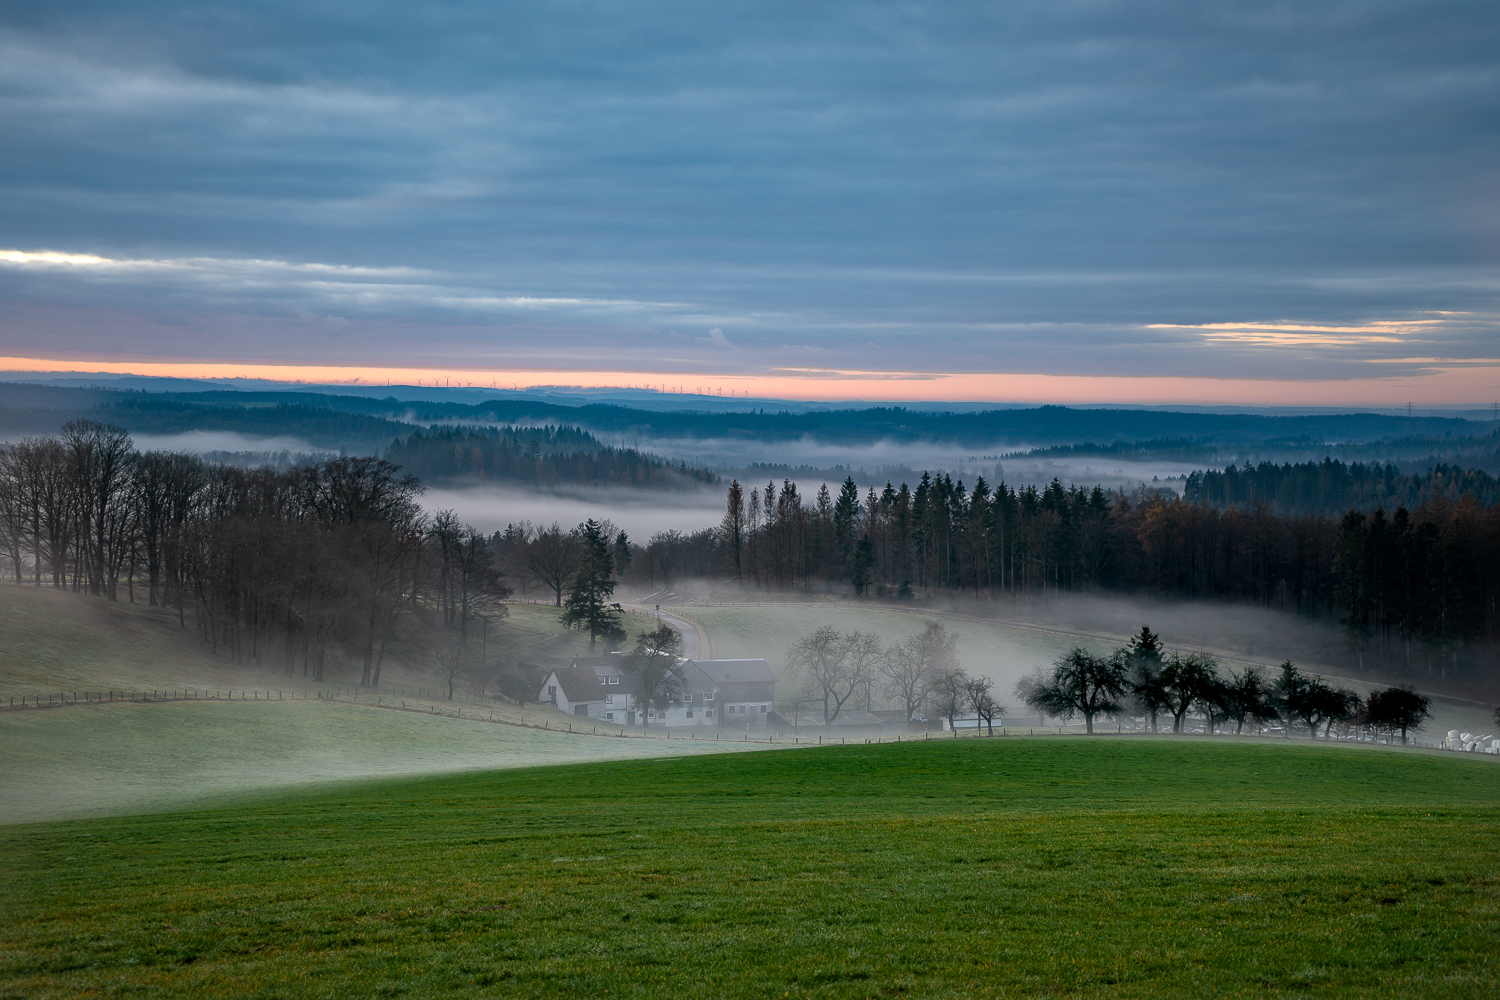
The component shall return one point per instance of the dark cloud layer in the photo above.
(1058, 186)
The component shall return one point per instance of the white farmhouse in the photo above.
(713, 694)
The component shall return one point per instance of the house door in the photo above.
(630, 718)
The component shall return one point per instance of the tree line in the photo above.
(1143, 679)
(1332, 487)
(923, 675)
(1426, 582)
(281, 567)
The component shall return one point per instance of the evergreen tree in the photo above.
(587, 606)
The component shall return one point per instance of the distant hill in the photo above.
(368, 424)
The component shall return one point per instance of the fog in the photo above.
(203, 442)
(640, 513)
(1006, 639)
(810, 461)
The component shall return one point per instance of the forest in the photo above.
(365, 422)
(1332, 487)
(1416, 590)
(340, 554)
(547, 457)
(270, 566)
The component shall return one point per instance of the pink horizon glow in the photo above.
(1449, 387)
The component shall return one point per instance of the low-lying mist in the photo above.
(640, 513)
(204, 442)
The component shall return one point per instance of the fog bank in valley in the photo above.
(640, 513)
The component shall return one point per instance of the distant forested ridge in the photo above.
(1331, 487)
(536, 456)
(312, 415)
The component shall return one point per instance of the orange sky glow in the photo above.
(1451, 386)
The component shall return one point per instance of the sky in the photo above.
(1071, 200)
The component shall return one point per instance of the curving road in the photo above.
(695, 642)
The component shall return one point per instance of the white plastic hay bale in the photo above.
(1466, 737)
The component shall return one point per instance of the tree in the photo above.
(552, 557)
(733, 529)
(833, 666)
(1245, 695)
(910, 667)
(1029, 685)
(1213, 702)
(982, 700)
(1400, 708)
(950, 695)
(845, 511)
(652, 668)
(1081, 683)
(1186, 680)
(623, 554)
(1315, 703)
(1147, 686)
(587, 607)
(864, 559)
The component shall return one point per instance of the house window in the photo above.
(762, 710)
(552, 691)
(708, 696)
(614, 679)
(609, 699)
(690, 713)
(610, 716)
(687, 698)
(708, 714)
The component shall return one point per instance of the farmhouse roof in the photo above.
(579, 683)
(735, 671)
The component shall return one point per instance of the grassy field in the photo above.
(111, 759)
(1015, 867)
(52, 641)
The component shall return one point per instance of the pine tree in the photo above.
(587, 605)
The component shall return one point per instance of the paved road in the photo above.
(695, 644)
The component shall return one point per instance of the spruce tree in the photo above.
(587, 605)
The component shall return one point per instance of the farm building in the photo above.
(712, 693)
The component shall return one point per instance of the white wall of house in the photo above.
(552, 693)
(751, 714)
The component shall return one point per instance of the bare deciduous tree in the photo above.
(834, 666)
(552, 557)
(950, 695)
(910, 667)
(982, 700)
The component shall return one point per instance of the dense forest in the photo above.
(536, 456)
(1331, 487)
(1424, 582)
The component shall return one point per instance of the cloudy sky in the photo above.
(1239, 191)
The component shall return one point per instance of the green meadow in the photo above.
(1061, 866)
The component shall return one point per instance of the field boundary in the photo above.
(386, 701)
